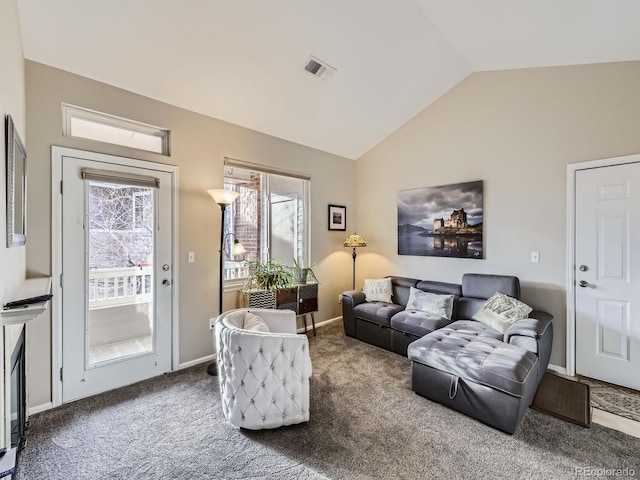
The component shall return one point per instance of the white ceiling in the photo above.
(242, 61)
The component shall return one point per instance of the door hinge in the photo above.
(60, 373)
(61, 280)
(60, 187)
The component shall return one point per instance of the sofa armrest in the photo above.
(534, 326)
(534, 334)
(350, 299)
(355, 296)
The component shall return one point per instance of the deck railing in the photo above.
(109, 287)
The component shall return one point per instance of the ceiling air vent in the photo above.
(321, 69)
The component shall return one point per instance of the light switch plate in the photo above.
(535, 257)
(191, 257)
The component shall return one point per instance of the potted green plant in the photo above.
(270, 275)
(301, 272)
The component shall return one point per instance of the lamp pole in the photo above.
(223, 207)
(353, 287)
(223, 198)
(354, 241)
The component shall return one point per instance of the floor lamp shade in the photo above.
(354, 241)
(222, 196)
(238, 248)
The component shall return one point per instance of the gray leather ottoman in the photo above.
(474, 373)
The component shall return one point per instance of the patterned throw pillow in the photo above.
(254, 323)
(440, 306)
(501, 311)
(377, 290)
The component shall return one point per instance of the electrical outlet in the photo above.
(340, 298)
(191, 257)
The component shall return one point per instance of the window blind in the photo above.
(119, 177)
(235, 163)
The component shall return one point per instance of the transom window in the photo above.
(269, 218)
(84, 123)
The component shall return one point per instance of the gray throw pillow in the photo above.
(501, 311)
(440, 306)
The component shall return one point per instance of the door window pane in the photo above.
(120, 271)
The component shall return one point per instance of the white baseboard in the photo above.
(40, 408)
(557, 369)
(212, 357)
(197, 361)
(318, 325)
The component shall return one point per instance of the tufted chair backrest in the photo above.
(264, 377)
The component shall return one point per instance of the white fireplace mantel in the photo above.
(31, 287)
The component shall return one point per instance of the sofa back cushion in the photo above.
(401, 289)
(478, 287)
(468, 307)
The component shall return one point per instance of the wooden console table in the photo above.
(302, 299)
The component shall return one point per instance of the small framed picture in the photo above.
(337, 217)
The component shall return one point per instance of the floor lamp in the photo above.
(224, 198)
(354, 241)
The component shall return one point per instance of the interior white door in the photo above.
(117, 293)
(607, 262)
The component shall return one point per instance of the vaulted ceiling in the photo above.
(243, 61)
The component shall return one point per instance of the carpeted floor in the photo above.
(621, 401)
(365, 423)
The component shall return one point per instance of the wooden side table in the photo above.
(302, 299)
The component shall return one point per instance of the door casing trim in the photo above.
(57, 153)
(572, 169)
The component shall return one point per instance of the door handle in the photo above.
(166, 282)
(583, 283)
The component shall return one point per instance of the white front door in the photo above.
(117, 293)
(607, 262)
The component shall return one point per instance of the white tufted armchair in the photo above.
(264, 377)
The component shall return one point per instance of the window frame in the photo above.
(266, 220)
(71, 112)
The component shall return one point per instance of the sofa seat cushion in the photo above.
(470, 328)
(417, 323)
(377, 312)
(477, 358)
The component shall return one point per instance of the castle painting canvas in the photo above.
(444, 221)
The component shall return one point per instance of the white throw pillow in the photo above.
(377, 290)
(254, 323)
(440, 306)
(501, 311)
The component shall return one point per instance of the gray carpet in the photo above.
(365, 423)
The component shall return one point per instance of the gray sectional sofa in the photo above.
(461, 363)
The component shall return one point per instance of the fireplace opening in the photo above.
(19, 422)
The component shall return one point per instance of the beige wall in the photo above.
(199, 144)
(516, 130)
(12, 102)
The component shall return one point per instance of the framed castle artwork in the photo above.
(444, 221)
